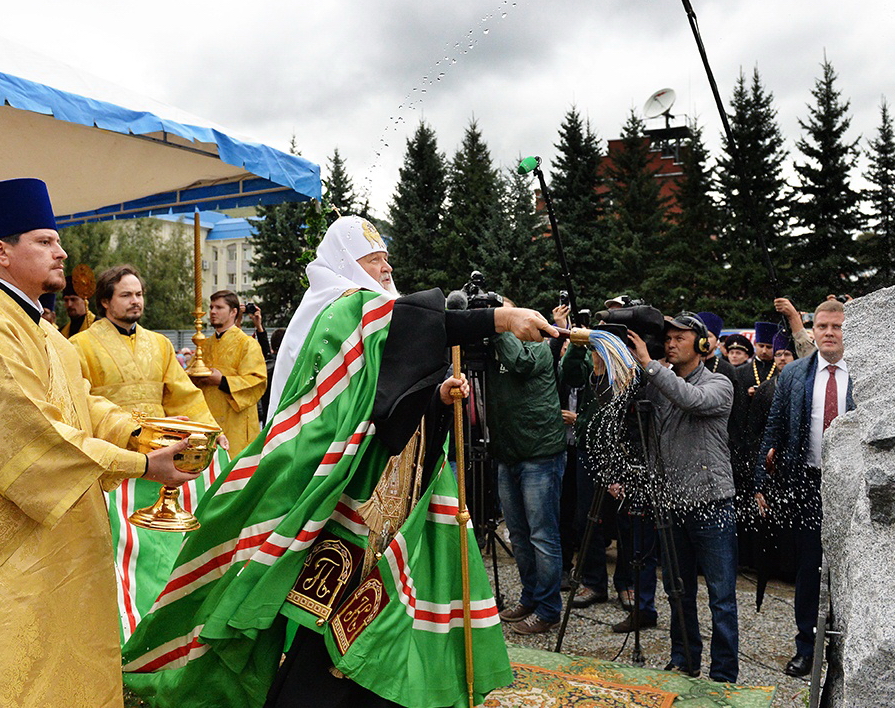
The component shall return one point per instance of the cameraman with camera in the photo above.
(690, 407)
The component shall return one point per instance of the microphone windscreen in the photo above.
(456, 300)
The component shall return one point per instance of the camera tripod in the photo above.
(670, 565)
(481, 479)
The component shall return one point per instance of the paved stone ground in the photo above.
(766, 637)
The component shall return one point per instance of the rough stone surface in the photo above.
(859, 511)
(881, 493)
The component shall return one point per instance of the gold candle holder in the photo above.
(197, 366)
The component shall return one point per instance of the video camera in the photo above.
(477, 294)
(645, 320)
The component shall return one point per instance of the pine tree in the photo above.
(827, 208)
(285, 241)
(573, 184)
(90, 244)
(166, 266)
(636, 217)
(518, 258)
(686, 273)
(744, 290)
(416, 213)
(473, 212)
(877, 248)
(341, 188)
(164, 263)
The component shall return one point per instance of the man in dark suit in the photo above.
(810, 393)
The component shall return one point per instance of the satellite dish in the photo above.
(659, 103)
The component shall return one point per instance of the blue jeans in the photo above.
(706, 536)
(529, 495)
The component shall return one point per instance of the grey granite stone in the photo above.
(859, 511)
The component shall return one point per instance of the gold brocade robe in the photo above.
(239, 359)
(89, 319)
(59, 446)
(139, 373)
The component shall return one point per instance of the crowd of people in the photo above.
(336, 430)
(730, 461)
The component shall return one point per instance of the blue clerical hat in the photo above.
(765, 331)
(784, 341)
(714, 323)
(24, 206)
(48, 300)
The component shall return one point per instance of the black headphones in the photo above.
(691, 321)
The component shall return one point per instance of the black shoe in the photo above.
(627, 624)
(799, 665)
(674, 667)
(565, 583)
(585, 597)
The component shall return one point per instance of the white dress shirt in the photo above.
(815, 438)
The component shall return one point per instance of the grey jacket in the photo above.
(690, 418)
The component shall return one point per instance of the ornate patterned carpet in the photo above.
(548, 680)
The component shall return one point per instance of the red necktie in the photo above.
(831, 398)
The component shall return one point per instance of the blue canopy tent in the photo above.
(108, 153)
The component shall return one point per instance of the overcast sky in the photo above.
(360, 75)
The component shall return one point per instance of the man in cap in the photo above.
(137, 370)
(749, 376)
(690, 410)
(784, 348)
(79, 315)
(48, 302)
(61, 447)
(349, 473)
(238, 372)
(739, 349)
(811, 392)
(761, 368)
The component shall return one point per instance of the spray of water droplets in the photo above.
(413, 100)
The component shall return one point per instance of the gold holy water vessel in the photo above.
(167, 514)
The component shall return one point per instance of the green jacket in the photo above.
(523, 412)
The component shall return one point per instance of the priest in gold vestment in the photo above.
(239, 373)
(59, 448)
(138, 370)
(79, 315)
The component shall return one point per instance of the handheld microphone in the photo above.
(528, 164)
